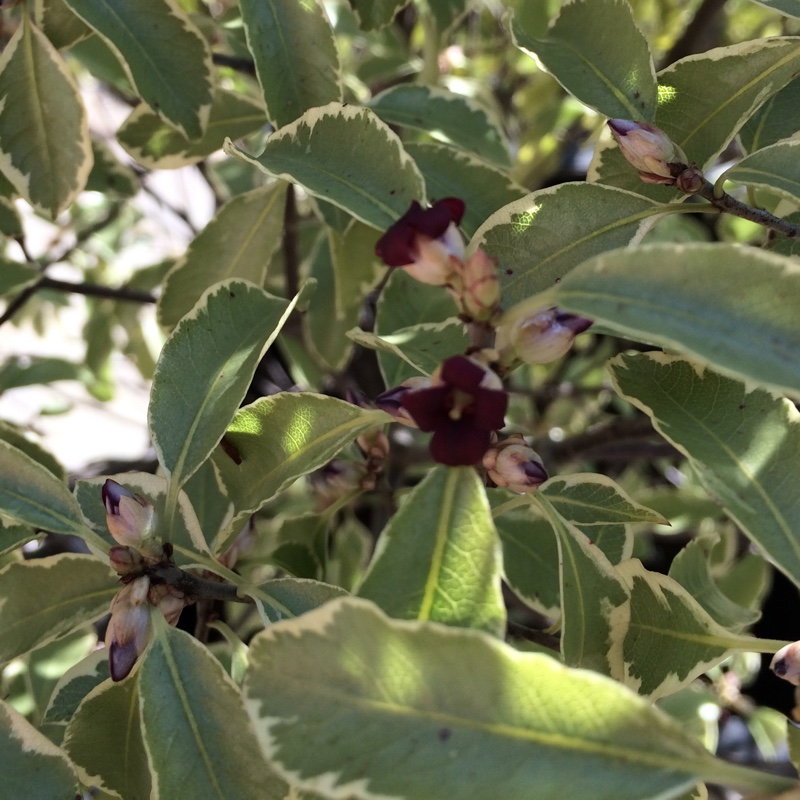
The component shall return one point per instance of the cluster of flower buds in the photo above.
(538, 336)
(462, 403)
(515, 465)
(131, 520)
(427, 244)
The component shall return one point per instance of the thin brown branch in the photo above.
(194, 587)
(243, 65)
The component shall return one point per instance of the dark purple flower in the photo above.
(426, 242)
(463, 406)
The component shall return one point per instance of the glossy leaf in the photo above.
(351, 703)
(446, 116)
(31, 493)
(74, 685)
(540, 238)
(32, 765)
(739, 440)
(689, 297)
(594, 49)
(45, 150)
(438, 558)
(156, 145)
(277, 33)
(104, 740)
(775, 168)
(237, 243)
(166, 58)
(778, 118)
(204, 370)
(280, 438)
(591, 499)
(346, 155)
(16, 438)
(47, 597)
(198, 738)
(450, 173)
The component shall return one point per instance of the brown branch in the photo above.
(243, 65)
(194, 587)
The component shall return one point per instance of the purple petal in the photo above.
(489, 409)
(535, 473)
(462, 373)
(121, 658)
(112, 492)
(458, 444)
(434, 221)
(572, 321)
(428, 407)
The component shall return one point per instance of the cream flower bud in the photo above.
(786, 663)
(515, 465)
(125, 560)
(540, 336)
(169, 600)
(647, 148)
(480, 287)
(129, 629)
(130, 518)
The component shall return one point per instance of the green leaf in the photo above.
(45, 150)
(373, 14)
(185, 533)
(346, 155)
(14, 536)
(156, 145)
(32, 765)
(59, 24)
(14, 277)
(438, 558)
(204, 370)
(669, 639)
(276, 34)
(104, 740)
(29, 370)
(74, 685)
(740, 441)
(31, 493)
(591, 499)
(789, 7)
(109, 175)
(291, 597)
(689, 297)
(281, 437)
(165, 57)
(46, 598)
(449, 173)
(16, 438)
(540, 238)
(237, 243)
(346, 269)
(778, 118)
(351, 703)
(208, 500)
(774, 168)
(199, 741)
(11, 226)
(597, 53)
(690, 568)
(446, 116)
(593, 597)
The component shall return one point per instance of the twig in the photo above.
(289, 244)
(95, 290)
(244, 65)
(194, 587)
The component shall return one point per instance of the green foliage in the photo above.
(367, 622)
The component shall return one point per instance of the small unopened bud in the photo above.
(648, 149)
(129, 629)
(391, 401)
(169, 600)
(786, 663)
(515, 465)
(130, 518)
(125, 560)
(690, 181)
(539, 337)
(480, 287)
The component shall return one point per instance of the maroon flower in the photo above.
(463, 406)
(426, 242)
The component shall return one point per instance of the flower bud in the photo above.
(480, 287)
(129, 629)
(691, 180)
(391, 401)
(170, 601)
(515, 465)
(125, 560)
(648, 149)
(786, 663)
(539, 337)
(130, 518)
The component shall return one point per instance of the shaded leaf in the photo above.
(778, 118)
(59, 24)
(374, 14)
(774, 168)
(14, 277)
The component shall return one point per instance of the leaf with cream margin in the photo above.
(669, 640)
(775, 168)
(278, 439)
(438, 558)
(45, 149)
(593, 598)
(741, 441)
(778, 118)
(71, 688)
(104, 740)
(295, 56)
(350, 703)
(374, 14)
(592, 499)
(46, 598)
(537, 240)
(690, 298)
(594, 49)
(32, 765)
(164, 55)
(346, 155)
(237, 243)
